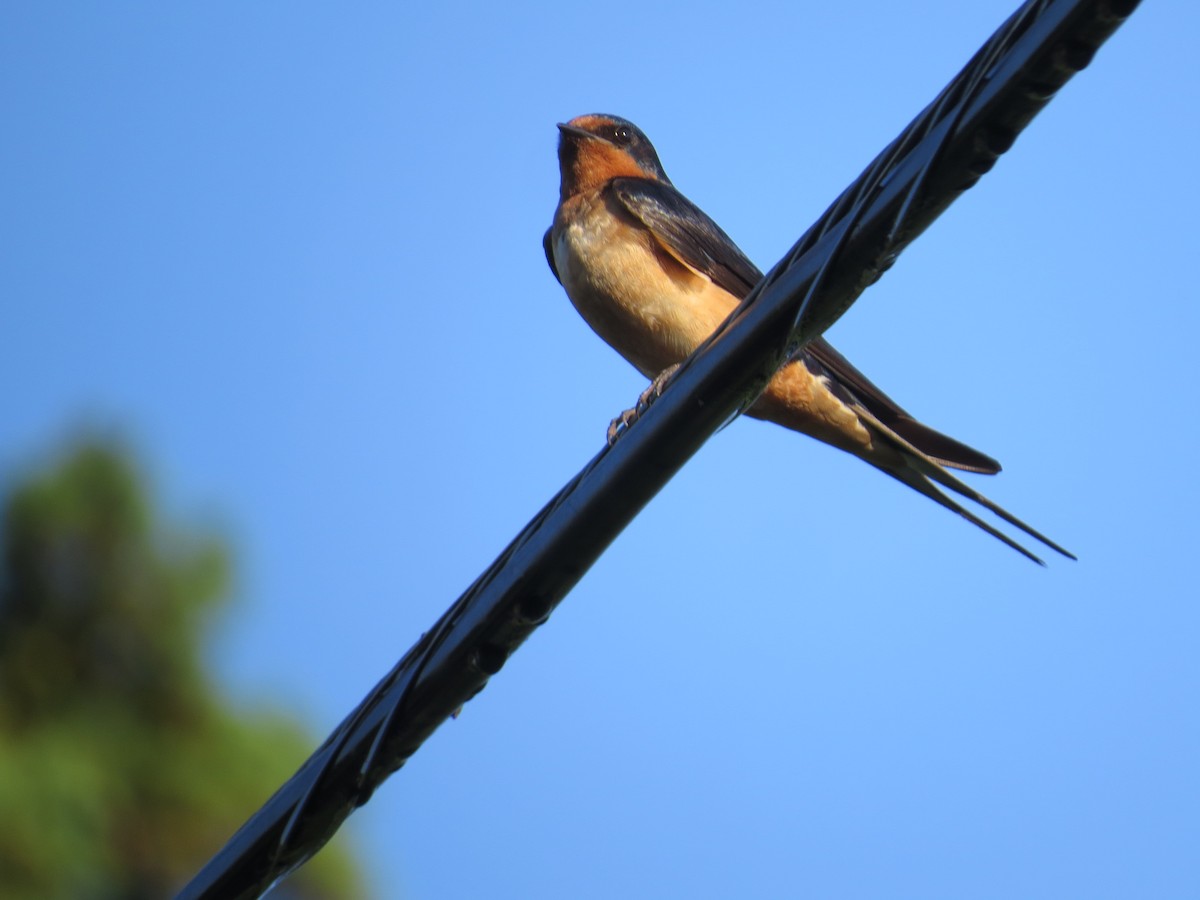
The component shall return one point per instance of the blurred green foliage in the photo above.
(122, 769)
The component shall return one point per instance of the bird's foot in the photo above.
(621, 423)
(617, 426)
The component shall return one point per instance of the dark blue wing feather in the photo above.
(686, 231)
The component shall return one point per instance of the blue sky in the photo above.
(292, 253)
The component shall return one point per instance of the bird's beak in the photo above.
(567, 128)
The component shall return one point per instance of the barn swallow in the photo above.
(654, 276)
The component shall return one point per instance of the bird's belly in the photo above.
(645, 304)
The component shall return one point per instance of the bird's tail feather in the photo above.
(918, 471)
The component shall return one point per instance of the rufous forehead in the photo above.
(589, 122)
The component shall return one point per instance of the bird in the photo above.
(654, 276)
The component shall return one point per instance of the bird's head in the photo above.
(596, 148)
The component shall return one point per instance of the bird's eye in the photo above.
(622, 134)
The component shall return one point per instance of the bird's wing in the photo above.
(546, 245)
(687, 233)
(937, 446)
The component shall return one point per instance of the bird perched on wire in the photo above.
(654, 276)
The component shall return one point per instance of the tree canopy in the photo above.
(122, 768)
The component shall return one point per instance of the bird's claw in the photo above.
(621, 423)
(618, 425)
